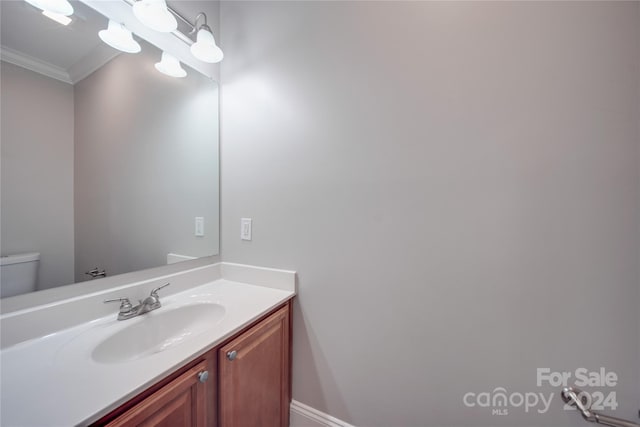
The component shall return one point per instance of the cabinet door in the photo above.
(254, 375)
(182, 402)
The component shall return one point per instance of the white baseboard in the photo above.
(302, 415)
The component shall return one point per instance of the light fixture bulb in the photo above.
(205, 48)
(170, 66)
(155, 15)
(118, 37)
(60, 7)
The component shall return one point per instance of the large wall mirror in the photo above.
(105, 162)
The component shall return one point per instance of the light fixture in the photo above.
(155, 15)
(60, 19)
(205, 48)
(170, 66)
(61, 7)
(118, 37)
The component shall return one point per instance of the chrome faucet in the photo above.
(96, 273)
(150, 303)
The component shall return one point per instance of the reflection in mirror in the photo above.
(106, 163)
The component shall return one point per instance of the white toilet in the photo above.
(18, 274)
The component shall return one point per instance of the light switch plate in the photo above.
(245, 228)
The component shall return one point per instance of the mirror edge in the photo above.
(81, 289)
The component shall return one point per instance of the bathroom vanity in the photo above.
(217, 353)
(244, 382)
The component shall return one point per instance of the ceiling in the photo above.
(68, 53)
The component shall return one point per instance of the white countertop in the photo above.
(53, 381)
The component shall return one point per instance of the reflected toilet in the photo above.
(18, 274)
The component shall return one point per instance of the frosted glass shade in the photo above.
(61, 7)
(155, 15)
(118, 37)
(205, 48)
(170, 66)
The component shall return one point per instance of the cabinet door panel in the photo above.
(177, 413)
(182, 402)
(254, 385)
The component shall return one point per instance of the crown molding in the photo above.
(36, 65)
(77, 72)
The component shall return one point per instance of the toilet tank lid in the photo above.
(18, 258)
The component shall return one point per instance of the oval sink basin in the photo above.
(157, 331)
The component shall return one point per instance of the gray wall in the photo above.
(145, 143)
(457, 185)
(37, 171)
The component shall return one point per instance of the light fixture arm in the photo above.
(194, 27)
(183, 19)
(195, 23)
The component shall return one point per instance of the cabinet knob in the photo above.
(231, 355)
(203, 376)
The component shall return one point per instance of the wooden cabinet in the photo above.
(254, 375)
(248, 384)
(181, 402)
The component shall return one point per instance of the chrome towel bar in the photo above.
(570, 395)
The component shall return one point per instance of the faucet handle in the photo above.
(154, 292)
(125, 304)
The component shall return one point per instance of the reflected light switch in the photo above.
(245, 228)
(199, 226)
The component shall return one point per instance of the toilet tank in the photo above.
(18, 274)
